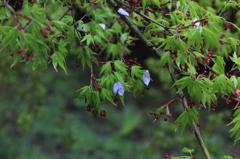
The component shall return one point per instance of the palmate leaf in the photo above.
(219, 65)
(120, 66)
(119, 77)
(136, 71)
(187, 117)
(106, 68)
(89, 38)
(235, 131)
(114, 50)
(219, 83)
(194, 36)
(165, 57)
(106, 81)
(10, 39)
(182, 121)
(59, 59)
(106, 94)
(183, 82)
(95, 100)
(210, 38)
(85, 91)
(137, 85)
(169, 42)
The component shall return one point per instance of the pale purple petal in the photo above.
(123, 12)
(102, 25)
(118, 88)
(146, 77)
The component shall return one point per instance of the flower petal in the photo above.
(118, 88)
(102, 25)
(197, 25)
(123, 12)
(146, 77)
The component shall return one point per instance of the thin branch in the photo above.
(150, 46)
(143, 15)
(212, 70)
(69, 9)
(94, 5)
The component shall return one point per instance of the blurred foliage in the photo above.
(41, 120)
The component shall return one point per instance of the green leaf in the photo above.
(117, 27)
(89, 38)
(95, 100)
(219, 65)
(227, 157)
(182, 121)
(120, 66)
(234, 44)
(10, 38)
(107, 81)
(144, 3)
(85, 91)
(164, 58)
(119, 77)
(194, 36)
(155, 2)
(156, 40)
(210, 38)
(122, 99)
(183, 82)
(59, 59)
(187, 150)
(136, 71)
(106, 94)
(106, 68)
(235, 131)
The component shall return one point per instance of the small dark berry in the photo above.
(52, 32)
(234, 155)
(47, 28)
(22, 55)
(103, 113)
(152, 113)
(166, 156)
(19, 51)
(162, 112)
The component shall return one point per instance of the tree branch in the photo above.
(150, 46)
